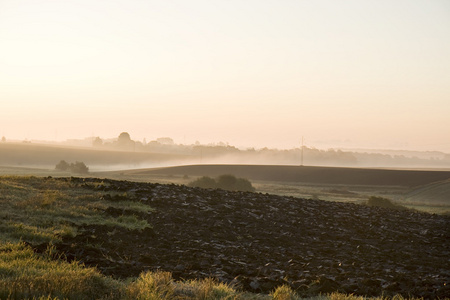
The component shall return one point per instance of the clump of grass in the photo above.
(25, 274)
(284, 292)
(40, 200)
(160, 285)
(157, 285)
(339, 296)
(129, 222)
(16, 231)
(207, 288)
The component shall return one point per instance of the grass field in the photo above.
(44, 210)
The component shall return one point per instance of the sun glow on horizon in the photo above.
(253, 74)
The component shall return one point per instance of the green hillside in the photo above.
(436, 193)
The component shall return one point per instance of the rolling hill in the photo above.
(433, 193)
(306, 174)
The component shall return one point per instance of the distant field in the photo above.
(304, 174)
(422, 190)
(332, 184)
(436, 192)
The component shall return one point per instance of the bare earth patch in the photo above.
(261, 241)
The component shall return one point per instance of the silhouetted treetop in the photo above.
(62, 166)
(97, 142)
(124, 138)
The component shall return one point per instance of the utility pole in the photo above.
(301, 163)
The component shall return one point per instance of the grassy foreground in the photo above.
(37, 211)
(27, 275)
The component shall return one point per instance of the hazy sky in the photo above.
(372, 74)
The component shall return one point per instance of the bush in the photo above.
(243, 184)
(204, 182)
(77, 167)
(62, 166)
(225, 182)
(383, 202)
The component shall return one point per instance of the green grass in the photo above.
(40, 210)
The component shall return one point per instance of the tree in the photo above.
(165, 141)
(97, 142)
(62, 166)
(79, 167)
(125, 142)
(124, 138)
(3, 139)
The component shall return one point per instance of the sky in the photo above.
(251, 73)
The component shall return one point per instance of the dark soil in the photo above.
(260, 241)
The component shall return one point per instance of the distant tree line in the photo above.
(77, 167)
(312, 156)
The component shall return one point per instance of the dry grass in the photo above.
(25, 274)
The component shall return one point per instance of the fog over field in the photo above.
(124, 153)
(251, 74)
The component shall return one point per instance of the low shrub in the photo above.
(204, 182)
(225, 182)
(62, 166)
(383, 202)
(77, 167)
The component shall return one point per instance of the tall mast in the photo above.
(301, 163)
